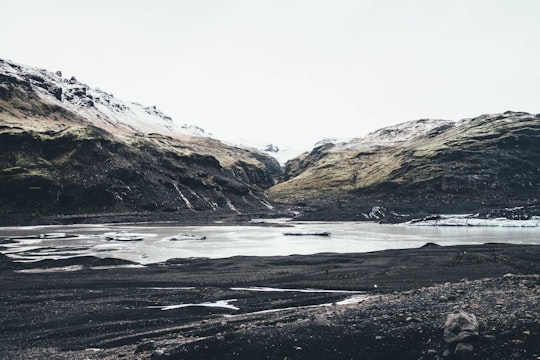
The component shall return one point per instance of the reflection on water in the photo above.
(253, 240)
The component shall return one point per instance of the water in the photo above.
(250, 240)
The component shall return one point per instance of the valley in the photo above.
(71, 153)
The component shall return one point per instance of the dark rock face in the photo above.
(61, 157)
(485, 165)
(86, 170)
(298, 165)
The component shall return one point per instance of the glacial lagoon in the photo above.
(256, 239)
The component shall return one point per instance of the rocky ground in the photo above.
(478, 301)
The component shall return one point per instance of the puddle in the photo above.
(223, 304)
(269, 289)
(353, 300)
(169, 288)
(71, 268)
(50, 270)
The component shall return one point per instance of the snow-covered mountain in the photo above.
(69, 149)
(104, 110)
(403, 133)
(394, 135)
(117, 116)
(478, 165)
(96, 106)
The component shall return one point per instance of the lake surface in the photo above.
(250, 240)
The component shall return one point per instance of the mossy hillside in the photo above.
(61, 153)
(19, 153)
(335, 173)
(86, 169)
(21, 105)
(485, 149)
(60, 146)
(251, 167)
(487, 160)
(26, 101)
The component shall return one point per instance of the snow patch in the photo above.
(393, 135)
(231, 206)
(99, 107)
(266, 204)
(185, 199)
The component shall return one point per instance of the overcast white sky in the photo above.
(287, 71)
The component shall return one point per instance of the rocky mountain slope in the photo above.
(68, 151)
(489, 164)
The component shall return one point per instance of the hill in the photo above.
(488, 165)
(70, 152)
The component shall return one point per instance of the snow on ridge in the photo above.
(333, 141)
(387, 136)
(508, 116)
(102, 109)
(402, 133)
(392, 135)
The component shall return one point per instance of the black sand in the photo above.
(102, 310)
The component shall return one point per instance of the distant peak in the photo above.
(271, 148)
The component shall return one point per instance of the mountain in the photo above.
(489, 164)
(70, 152)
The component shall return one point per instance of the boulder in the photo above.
(459, 327)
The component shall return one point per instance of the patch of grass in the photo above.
(12, 170)
(64, 158)
(25, 174)
(474, 150)
(23, 161)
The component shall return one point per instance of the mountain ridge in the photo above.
(98, 107)
(67, 149)
(480, 165)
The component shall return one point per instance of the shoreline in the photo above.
(481, 217)
(97, 312)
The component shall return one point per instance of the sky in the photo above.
(289, 71)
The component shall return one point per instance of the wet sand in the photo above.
(90, 308)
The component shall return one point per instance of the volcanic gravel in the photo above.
(101, 310)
